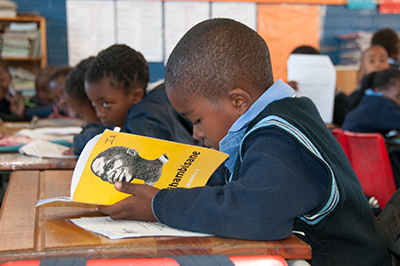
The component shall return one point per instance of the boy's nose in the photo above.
(197, 132)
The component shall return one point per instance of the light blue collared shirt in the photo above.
(231, 142)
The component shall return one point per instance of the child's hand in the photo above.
(17, 105)
(136, 207)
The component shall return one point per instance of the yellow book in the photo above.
(116, 156)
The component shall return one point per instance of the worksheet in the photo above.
(116, 229)
(316, 79)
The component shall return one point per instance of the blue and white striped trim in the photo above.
(283, 124)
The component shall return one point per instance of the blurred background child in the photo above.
(57, 87)
(75, 95)
(42, 100)
(11, 104)
(377, 106)
(389, 39)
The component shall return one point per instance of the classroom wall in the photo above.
(336, 20)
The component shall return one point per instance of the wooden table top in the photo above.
(30, 233)
(17, 161)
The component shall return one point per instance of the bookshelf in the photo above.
(30, 63)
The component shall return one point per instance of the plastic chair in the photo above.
(261, 260)
(338, 134)
(369, 158)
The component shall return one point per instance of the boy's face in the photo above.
(5, 80)
(375, 59)
(43, 92)
(57, 87)
(393, 92)
(84, 109)
(210, 122)
(110, 101)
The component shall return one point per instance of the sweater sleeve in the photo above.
(279, 180)
(87, 133)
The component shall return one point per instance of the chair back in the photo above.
(369, 158)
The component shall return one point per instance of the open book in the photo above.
(116, 156)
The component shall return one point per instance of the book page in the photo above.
(117, 229)
(139, 25)
(316, 79)
(90, 28)
(179, 18)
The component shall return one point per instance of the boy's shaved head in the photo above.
(218, 55)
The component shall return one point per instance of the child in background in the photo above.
(285, 174)
(43, 100)
(389, 39)
(373, 59)
(116, 84)
(57, 87)
(75, 95)
(376, 108)
(11, 104)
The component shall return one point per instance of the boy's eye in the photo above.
(93, 104)
(196, 122)
(106, 104)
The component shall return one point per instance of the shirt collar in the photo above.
(277, 91)
(230, 143)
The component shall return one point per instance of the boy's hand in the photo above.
(135, 207)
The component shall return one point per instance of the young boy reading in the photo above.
(285, 173)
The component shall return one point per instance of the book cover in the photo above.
(116, 156)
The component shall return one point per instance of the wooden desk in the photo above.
(17, 161)
(27, 232)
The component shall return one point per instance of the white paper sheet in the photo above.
(90, 28)
(51, 133)
(116, 229)
(316, 78)
(243, 12)
(139, 25)
(179, 18)
(45, 149)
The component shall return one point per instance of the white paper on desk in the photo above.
(51, 133)
(316, 79)
(45, 149)
(116, 229)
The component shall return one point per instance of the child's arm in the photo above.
(135, 207)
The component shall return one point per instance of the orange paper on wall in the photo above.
(285, 27)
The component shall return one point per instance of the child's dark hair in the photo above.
(388, 38)
(216, 55)
(4, 65)
(121, 63)
(75, 82)
(383, 79)
(305, 49)
(60, 72)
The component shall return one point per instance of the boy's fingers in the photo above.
(127, 187)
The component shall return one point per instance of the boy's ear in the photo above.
(240, 99)
(136, 95)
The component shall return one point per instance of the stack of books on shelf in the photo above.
(23, 82)
(21, 39)
(352, 45)
(8, 9)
